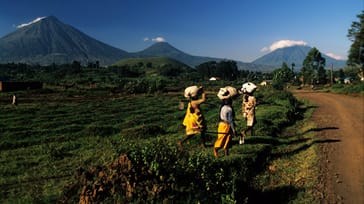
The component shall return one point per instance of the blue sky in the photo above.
(233, 29)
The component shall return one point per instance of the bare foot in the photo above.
(180, 147)
(215, 153)
(242, 138)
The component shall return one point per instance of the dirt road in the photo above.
(340, 122)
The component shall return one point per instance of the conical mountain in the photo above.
(164, 49)
(48, 40)
(293, 54)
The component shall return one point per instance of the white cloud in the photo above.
(282, 44)
(337, 57)
(145, 39)
(159, 39)
(34, 21)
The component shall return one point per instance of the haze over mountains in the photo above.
(48, 41)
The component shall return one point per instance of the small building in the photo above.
(214, 79)
(6, 86)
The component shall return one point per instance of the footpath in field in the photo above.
(339, 118)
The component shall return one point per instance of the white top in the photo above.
(226, 114)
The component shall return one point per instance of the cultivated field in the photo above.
(51, 134)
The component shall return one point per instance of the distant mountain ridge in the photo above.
(293, 54)
(48, 41)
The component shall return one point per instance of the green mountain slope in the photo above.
(155, 65)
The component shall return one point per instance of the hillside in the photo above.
(153, 61)
(155, 65)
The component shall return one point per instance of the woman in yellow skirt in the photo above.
(194, 120)
(226, 128)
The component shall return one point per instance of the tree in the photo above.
(321, 75)
(206, 69)
(282, 76)
(226, 70)
(356, 36)
(76, 67)
(313, 69)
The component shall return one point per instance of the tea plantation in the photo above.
(64, 146)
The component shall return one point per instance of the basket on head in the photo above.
(227, 92)
(192, 91)
(248, 87)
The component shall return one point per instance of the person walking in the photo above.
(194, 120)
(14, 100)
(226, 127)
(248, 109)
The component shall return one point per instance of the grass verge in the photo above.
(292, 174)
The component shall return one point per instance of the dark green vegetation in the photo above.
(347, 89)
(53, 133)
(138, 75)
(356, 36)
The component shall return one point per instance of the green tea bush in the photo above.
(142, 85)
(61, 131)
(157, 172)
(101, 130)
(146, 131)
(276, 110)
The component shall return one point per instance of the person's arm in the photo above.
(201, 100)
(254, 102)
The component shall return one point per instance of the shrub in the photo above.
(156, 172)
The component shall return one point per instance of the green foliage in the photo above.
(130, 76)
(356, 88)
(142, 85)
(159, 172)
(356, 36)
(313, 71)
(226, 70)
(282, 76)
(351, 72)
(276, 110)
(154, 66)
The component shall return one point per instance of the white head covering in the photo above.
(248, 87)
(227, 92)
(191, 91)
